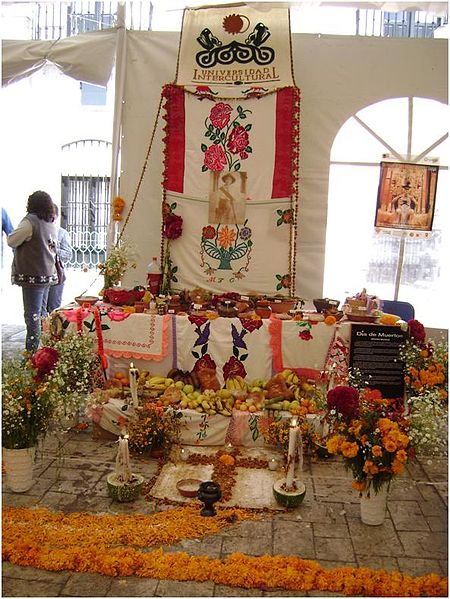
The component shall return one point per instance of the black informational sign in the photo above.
(374, 352)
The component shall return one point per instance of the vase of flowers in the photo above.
(40, 392)
(154, 430)
(119, 259)
(370, 433)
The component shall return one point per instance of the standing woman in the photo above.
(64, 252)
(33, 268)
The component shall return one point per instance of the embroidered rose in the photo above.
(173, 226)
(305, 335)
(238, 140)
(220, 115)
(215, 158)
(251, 324)
(208, 232)
(204, 362)
(197, 320)
(233, 367)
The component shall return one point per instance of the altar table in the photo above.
(253, 348)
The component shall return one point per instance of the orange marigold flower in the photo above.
(334, 444)
(226, 237)
(349, 450)
(401, 456)
(330, 320)
(227, 459)
(397, 466)
(359, 485)
(377, 451)
(389, 445)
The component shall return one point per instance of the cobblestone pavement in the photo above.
(326, 527)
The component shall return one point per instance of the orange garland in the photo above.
(97, 544)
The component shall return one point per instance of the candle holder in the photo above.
(289, 497)
(209, 492)
(184, 454)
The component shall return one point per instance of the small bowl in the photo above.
(282, 305)
(86, 299)
(188, 487)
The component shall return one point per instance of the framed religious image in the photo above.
(227, 195)
(406, 196)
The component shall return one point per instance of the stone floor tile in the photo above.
(315, 511)
(337, 489)
(86, 585)
(132, 586)
(437, 523)
(406, 515)
(416, 470)
(419, 567)
(404, 490)
(224, 591)
(209, 546)
(331, 564)
(10, 499)
(377, 540)
(323, 594)
(247, 545)
(444, 566)
(60, 501)
(431, 545)
(435, 467)
(334, 549)
(255, 528)
(334, 530)
(379, 562)
(13, 587)
(330, 469)
(286, 542)
(431, 491)
(28, 573)
(174, 588)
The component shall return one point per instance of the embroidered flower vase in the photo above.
(373, 507)
(18, 465)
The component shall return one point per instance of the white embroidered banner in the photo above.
(235, 46)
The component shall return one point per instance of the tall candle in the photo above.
(133, 374)
(293, 431)
(123, 469)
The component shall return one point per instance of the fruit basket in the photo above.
(123, 297)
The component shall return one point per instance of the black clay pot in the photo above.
(209, 492)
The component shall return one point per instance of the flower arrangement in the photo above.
(41, 392)
(154, 428)
(426, 364)
(370, 435)
(428, 425)
(119, 259)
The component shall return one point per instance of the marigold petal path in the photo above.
(55, 541)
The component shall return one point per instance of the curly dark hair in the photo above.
(41, 204)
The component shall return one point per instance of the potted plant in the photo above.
(371, 435)
(154, 430)
(40, 393)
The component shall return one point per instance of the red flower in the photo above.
(345, 400)
(251, 324)
(220, 115)
(173, 226)
(238, 140)
(417, 331)
(305, 335)
(233, 367)
(208, 232)
(204, 362)
(215, 158)
(45, 360)
(197, 320)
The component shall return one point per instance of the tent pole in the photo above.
(113, 232)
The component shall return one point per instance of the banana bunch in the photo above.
(209, 402)
(290, 377)
(236, 383)
(153, 386)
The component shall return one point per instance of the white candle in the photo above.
(300, 453)
(184, 454)
(133, 374)
(273, 464)
(123, 470)
(293, 431)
